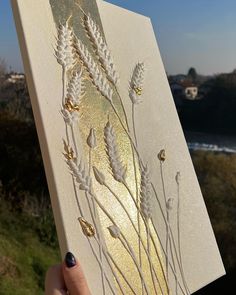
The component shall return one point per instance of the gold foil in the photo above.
(94, 113)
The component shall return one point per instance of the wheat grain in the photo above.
(118, 170)
(64, 51)
(178, 177)
(170, 204)
(100, 177)
(102, 49)
(114, 231)
(145, 194)
(91, 139)
(95, 72)
(136, 83)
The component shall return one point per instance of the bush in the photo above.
(217, 176)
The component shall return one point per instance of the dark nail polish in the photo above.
(70, 260)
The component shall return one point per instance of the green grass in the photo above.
(24, 258)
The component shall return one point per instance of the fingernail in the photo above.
(70, 260)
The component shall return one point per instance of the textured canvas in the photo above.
(125, 196)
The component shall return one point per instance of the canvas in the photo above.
(125, 196)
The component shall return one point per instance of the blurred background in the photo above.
(198, 45)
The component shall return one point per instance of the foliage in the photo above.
(192, 74)
(3, 67)
(217, 176)
(215, 111)
(24, 258)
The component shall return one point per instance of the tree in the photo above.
(192, 74)
(3, 67)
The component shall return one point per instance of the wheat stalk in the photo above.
(64, 51)
(178, 182)
(95, 72)
(75, 88)
(116, 233)
(146, 209)
(101, 179)
(102, 49)
(136, 83)
(85, 182)
(91, 244)
(118, 169)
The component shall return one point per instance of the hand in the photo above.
(65, 278)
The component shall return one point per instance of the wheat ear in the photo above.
(96, 74)
(85, 182)
(64, 51)
(102, 49)
(145, 199)
(118, 169)
(136, 83)
(75, 88)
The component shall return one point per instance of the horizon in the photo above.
(199, 35)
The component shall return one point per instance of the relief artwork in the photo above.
(89, 64)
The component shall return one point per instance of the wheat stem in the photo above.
(179, 236)
(90, 244)
(149, 252)
(121, 273)
(130, 248)
(174, 266)
(134, 227)
(131, 253)
(107, 256)
(92, 213)
(153, 241)
(172, 237)
(167, 216)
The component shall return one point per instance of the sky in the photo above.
(190, 33)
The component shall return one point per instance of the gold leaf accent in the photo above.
(71, 107)
(138, 90)
(162, 155)
(87, 228)
(69, 152)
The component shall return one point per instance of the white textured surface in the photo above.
(158, 128)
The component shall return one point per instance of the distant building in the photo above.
(16, 78)
(184, 90)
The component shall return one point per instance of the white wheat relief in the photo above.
(96, 74)
(136, 83)
(78, 170)
(102, 49)
(118, 169)
(64, 51)
(75, 88)
(78, 63)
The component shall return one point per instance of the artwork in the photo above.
(121, 194)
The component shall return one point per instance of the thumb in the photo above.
(74, 277)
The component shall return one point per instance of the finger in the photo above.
(54, 282)
(74, 277)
